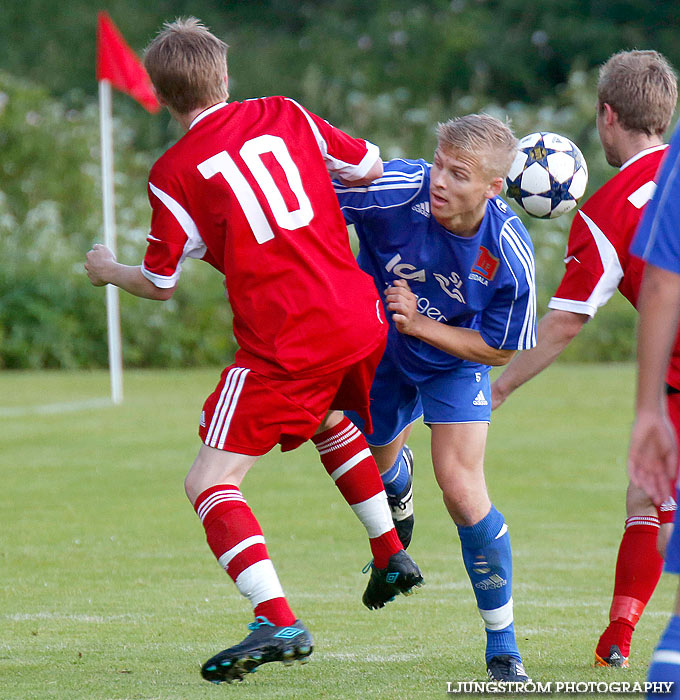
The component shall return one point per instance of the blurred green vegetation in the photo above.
(388, 71)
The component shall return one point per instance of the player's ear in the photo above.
(609, 114)
(161, 101)
(495, 187)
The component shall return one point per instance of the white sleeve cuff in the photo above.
(577, 307)
(161, 281)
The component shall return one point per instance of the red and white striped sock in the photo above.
(347, 458)
(638, 569)
(236, 540)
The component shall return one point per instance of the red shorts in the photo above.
(250, 413)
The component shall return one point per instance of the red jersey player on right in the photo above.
(637, 93)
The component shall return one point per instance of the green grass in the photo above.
(108, 590)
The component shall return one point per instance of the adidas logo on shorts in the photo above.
(480, 400)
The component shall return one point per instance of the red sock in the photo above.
(347, 458)
(638, 569)
(235, 537)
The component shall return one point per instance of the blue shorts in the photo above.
(672, 563)
(455, 396)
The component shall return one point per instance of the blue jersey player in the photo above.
(457, 268)
(653, 460)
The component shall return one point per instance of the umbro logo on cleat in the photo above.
(480, 400)
(288, 633)
(422, 208)
(392, 576)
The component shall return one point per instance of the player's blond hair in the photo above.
(187, 65)
(641, 87)
(486, 138)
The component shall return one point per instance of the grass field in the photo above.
(108, 590)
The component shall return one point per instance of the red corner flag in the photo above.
(119, 64)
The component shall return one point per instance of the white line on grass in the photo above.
(371, 657)
(26, 617)
(64, 407)
(557, 602)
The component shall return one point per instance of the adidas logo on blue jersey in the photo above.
(422, 208)
(480, 400)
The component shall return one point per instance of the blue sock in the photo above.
(396, 477)
(488, 560)
(666, 660)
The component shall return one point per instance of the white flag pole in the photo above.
(112, 296)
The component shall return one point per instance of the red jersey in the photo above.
(247, 189)
(598, 261)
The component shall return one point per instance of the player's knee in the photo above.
(638, 502)
(331, 419)
(665, 532)
(194, 481)
(190, 488)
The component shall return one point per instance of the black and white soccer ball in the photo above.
(548, 176)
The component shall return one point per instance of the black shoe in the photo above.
(401, 506)
(506, 669)
(265, 643)
(615, 659)
(401, 575)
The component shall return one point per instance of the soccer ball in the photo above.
(548, 176)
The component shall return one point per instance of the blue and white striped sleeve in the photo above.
(510, 320)
(401, 182)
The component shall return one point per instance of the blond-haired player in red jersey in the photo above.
(247, 189)
(637, 93)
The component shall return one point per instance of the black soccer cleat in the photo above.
(401, 506)
(506, 669)
(401, 575)
(615, 659)
(265, 643)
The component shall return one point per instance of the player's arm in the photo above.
(103, 268)
(349, 160)
(593, 272)
(652, 459)
(555, 331)
(465, 343)
(402, 183)
(375, 171)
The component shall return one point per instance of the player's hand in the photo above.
(98, 264)
(653, 458)
(403, 304)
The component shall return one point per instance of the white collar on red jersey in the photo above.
(639, 155)
(206, 112)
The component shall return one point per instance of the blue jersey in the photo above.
(657, 239)
(485, 282)
(658, 242)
